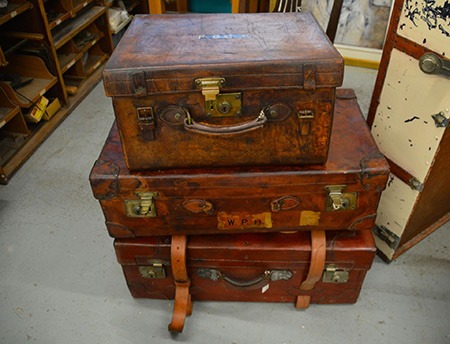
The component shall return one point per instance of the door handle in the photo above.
(430, 63)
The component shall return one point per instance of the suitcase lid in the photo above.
(353, 160)
(353, 249)
(166, 53)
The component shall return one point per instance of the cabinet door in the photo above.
(408, 115)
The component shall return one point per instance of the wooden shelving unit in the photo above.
(56, 49)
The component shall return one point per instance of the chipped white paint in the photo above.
(396, 204)
(427, 23)
(403, 127)
(394, 210)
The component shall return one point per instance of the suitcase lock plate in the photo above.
(219, 104)
(155, 270)
(142, 207)
(332, 274)
(337, 200)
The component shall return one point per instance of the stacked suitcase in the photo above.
(236, 171)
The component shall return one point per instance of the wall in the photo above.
(362, 23)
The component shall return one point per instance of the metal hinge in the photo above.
(384, 234)
(155, 270)
(440, 120)
(337, 200)
(333, 274)
(143, 207)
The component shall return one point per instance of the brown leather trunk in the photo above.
(341, 194)
(224, 90)
(249, 267)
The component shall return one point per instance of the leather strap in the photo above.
(318, 254)
(182, 303)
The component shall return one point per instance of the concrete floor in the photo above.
(60, 283)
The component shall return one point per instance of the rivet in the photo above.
(177, 115)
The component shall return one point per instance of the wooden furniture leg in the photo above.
(181, 6)
(156, 6)
(318, 254)
(253, 6)
(182, 303)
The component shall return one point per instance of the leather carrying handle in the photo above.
(190, 125)
(268, 275)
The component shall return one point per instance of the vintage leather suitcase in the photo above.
(224, 90)
(342, 194)
(273, 267)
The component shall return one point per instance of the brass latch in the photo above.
(337, 200)
(219, 104)
(143, 207)
(155, 270)
(332, 274)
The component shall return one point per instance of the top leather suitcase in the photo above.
(224, 90)
(341, 194)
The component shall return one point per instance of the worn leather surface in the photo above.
(243, 257)
(354, 161)
(268, 57)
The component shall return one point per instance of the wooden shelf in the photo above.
(42, 79)
(67, 60)
(46, 128)
(71, 28)
(79, 5)
(93, 62)
(7, 113)
(14, 8)
(54, 24)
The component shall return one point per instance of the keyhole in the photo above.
(224, 107)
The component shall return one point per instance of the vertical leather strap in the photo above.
(182, 303)
(318, 254)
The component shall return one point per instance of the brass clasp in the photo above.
(143, 207)
(219, 104)
(337, 200)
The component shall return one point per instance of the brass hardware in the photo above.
(333, 274)
(337, 200)
(143, 207)
(219, 104)
(431, 63)
(284, 203)
(440, 120)
(155, 270)
(305, 114)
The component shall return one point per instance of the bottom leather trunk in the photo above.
(250, 267)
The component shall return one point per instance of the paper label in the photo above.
(243, 220)
(309, 218)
